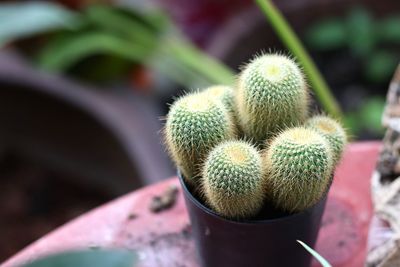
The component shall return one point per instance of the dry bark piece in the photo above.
(384, 238)
(164, 201)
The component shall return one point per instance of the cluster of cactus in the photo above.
(254, 144)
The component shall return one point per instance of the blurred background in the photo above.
(85, 85)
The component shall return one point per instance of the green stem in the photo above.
(289, 38)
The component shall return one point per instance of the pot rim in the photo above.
(245, 221)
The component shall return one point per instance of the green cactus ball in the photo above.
(223, 93)
(195, 124)
(232, 180)
(332, 131)
(271, 96)
(299, 166)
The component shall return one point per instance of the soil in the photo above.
(35, 200)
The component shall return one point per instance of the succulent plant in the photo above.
(226, 95)
(332, 131)
(271, 96)
(223, 93)
(267, 108)
(299, 166)
(195, 124)
(232, 179)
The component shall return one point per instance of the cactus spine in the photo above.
(195, 124)
(332, 131)
(232, 180)
(299, 165)
(222, 93)
(226, 95)
(271, 96)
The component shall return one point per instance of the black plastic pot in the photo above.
(258, 242)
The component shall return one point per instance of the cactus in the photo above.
(195, 124)
(232, 180)
(223, 93)
(332, 131)
(226, 95)
(299, 166)
(271, 96)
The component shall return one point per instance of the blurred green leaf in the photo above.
(380, 66)
(327, 35)
(370, 114)
(190, 57)
(18, 20)
(63, 54)
(389, 30)
(352, 123)
(366, 117)
(90, 258)
(128, 25)
(361, 32)
(315, 254)
(167, 65)
(178, 59)
(102, 68)
(128, 36)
